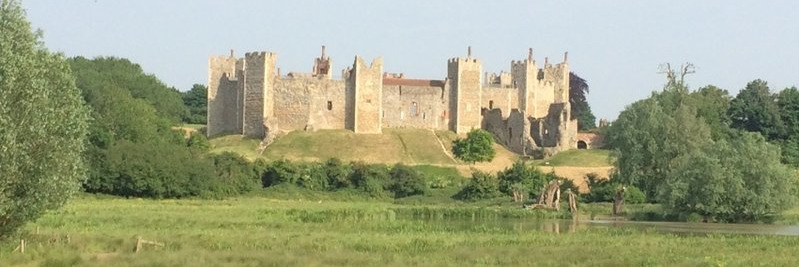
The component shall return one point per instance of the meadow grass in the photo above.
(262, 231)
(579, 158)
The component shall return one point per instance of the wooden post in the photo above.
(22, 246)
(138, 244)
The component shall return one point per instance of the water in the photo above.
(571, 226)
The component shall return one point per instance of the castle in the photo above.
(527, 109)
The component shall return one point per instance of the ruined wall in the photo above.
(366, 83)
(556, 129)
(464, 76)
(416, 105)
(223, 96)
(309, 103)
(592, 140)
(555, 84)
(511, 131)
(503, 98)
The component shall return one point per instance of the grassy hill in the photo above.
(409, 146)
(579, 158)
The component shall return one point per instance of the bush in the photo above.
(236, 172)
(481, 186)
(604, 190)
(158, 171)
(199, 141)
(478, 146)
(372, 179)
(406, 181)
(338, 173)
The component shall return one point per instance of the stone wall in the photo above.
(367, 89)
(222, 96)
(503, 98)
(309, 103)
(415, 104)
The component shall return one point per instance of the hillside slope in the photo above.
(408, 146)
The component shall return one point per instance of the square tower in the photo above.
(464, 76)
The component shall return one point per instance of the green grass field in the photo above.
(579, 158)
(261, 231)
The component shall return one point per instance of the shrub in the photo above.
(236, 172)
(481, 186)
(199, 141)
(406, 181)
(338, 173)
(372, 179)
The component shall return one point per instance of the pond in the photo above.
(570, 226)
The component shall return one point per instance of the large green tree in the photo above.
(121, 73)
(755, 109)
(476, 147)
(43, 124)
(578, 89)
(197, 103)
(678, 150)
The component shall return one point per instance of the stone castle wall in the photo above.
(415, 104)
(527, 109)
(223, 96)
(309, 103)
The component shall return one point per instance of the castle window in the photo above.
(329, 105)
(490, 104)
(414, 110)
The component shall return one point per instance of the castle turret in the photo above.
(259, 77)
(223, 95)
(464, 76)
(524, 75)
(365, 97)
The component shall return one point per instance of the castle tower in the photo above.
(323, 66)
(524, 75)
(259, 77)
(223, 95)
(464, 76)
(365, 97)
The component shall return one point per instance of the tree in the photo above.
(521, 179)
(711, 104)
(638, 137)
(43, 124)
(755, 109)
(197, 103)
(477, 146)
(667, 146)
(578, 89)
(739, 181)
(121, 73)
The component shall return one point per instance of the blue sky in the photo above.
(615, 45)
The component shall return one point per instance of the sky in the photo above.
(617, 46)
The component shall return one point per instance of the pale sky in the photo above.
(615, 45)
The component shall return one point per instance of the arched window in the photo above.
(414, 110)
